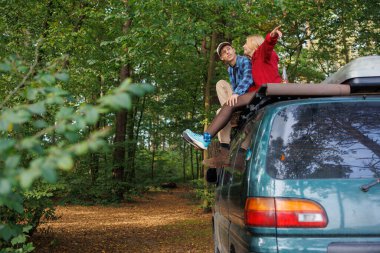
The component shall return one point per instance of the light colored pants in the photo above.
(224, 92)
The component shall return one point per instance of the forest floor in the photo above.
(165, 221)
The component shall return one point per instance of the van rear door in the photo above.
(328, 151)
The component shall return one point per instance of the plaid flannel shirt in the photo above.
(241, 75)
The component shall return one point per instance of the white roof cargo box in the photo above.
(363, 72)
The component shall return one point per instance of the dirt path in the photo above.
(161, 222)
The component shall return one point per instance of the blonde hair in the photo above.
(254, 41)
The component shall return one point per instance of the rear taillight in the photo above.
(284, 213)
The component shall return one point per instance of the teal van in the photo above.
(311, 182)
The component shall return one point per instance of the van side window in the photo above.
(227, 176)
(228, 170)
(244, 147)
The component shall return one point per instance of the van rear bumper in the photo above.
(328, 244)
(362, 247)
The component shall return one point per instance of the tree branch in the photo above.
(26, 77)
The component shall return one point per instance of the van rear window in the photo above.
(326, 140)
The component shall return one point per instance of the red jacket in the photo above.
(265, 64)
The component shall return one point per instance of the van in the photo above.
(310, 180)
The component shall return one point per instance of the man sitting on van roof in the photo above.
(240, 74)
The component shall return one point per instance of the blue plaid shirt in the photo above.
(241, 75)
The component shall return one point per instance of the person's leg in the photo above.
(224, 92)
(224, 116)
(220, 121)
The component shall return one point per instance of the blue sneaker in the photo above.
(248, 154)
(194, 139)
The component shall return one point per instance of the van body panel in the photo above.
(353, 215)
(319, 244)
(349, 210)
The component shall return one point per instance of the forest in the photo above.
(95, 94)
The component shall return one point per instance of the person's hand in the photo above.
(276, 31)
(232, 100)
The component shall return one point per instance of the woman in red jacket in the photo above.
(263, 57)
(264, 70)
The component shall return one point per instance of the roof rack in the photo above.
(305, 90)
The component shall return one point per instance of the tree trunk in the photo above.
(197, 162)
(95, 157)
(184, 160)
(344, 42)
(120, 133)
(191, 163)
(94, 162)
(210, 76)
(153, 158)
(119, 145)
(130, 145)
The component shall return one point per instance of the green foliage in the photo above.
(165, 167)
(40, 134)
(205, 193)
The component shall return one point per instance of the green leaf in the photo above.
(122, 100)
(31, 93)
(124, 85)
(121, 39)
(105, 43)
(117, 101)
(147, 87)
(47, 79)
(5, 186)
(22, 69)
(40, 123)
(72, 136)
(91, 115)
(5, 67)
(96, 144)
(12, 161)
(27, 228)
(81, 148)
(6, 144)
(6, 232)
(14, 202)
(27, 177)
(17, 117)
(29, 143)
(55, 99)
(64, 113)
(28, 247)
(91, 62)
(37, 108)
(49, 174)
(18, 239)
(79, 123)
(136, 90)
(64, 77)
(65, 162)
